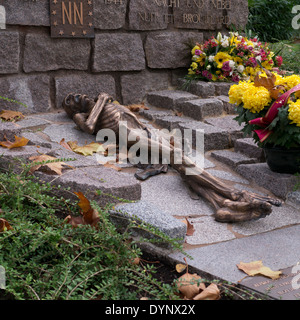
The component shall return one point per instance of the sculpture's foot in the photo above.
(151, 170)
(235, 211)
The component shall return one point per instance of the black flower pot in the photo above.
(283, 160)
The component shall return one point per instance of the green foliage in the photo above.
(290, 53)
(271, 20)
(45, 258)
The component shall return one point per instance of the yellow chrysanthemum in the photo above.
(222, 57)
(294, 112)
(292, 81)
(256, 98)
(190, 71)
(237, 91)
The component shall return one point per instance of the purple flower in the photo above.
(226, 66)
(235, 78)
(207, 74)
(198, 52)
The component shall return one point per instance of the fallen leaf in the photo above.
(190, 228)
(88, 214)
(255, 268)
(180, 267)
(137, 107)
(54, 166)
(136, 261)
(86, 150)
(189, 286)
(112, 166)
(19, 142)
(4, 225)
(65, 144)
(9, 115)
(212, 292)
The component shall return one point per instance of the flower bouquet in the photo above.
(231, 58)
(269, 108)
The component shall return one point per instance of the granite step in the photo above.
(248, 147)
(188, 104)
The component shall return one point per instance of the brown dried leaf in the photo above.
(137, 107)
(212, 292)
(9, 115)
(88, 214)
(53, 167)
(4, 225)
(112, 166)
(187, 284)
(190, 228)
(255, 268)
(19, 142)
(65, 144)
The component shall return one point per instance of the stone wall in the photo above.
(139, 46)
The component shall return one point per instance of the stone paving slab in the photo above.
(280, 217)
(150, 214)
(278, 249)
(170, 194)
(88, 180)
(69, 132)
(9, 130)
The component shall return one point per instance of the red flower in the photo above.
(279, 60)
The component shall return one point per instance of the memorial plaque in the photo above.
(72, 19)
(287, 287)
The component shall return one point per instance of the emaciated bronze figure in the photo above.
(231, 205)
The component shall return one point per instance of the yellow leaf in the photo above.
(180, 267)
(19, 142)
(88, 149)
(8, 115)
(255, 268)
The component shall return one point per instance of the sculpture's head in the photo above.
(77, 103)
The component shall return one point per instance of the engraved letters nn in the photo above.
(71, 18)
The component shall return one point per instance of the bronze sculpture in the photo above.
(231, 205)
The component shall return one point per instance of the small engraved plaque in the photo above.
(281, 288)
(72, 19)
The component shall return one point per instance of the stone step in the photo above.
(279, 184)
(232, 159)
(248, 147)
(205, 89)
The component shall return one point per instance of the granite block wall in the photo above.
(139, 46)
